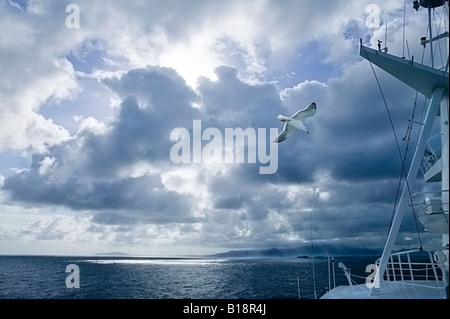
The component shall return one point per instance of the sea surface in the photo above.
(45, 277)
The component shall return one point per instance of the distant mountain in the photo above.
(305, 250)
(273, 252)
(112, 254)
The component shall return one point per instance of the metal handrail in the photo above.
(418, 200)
(432, 154)
(399, 269)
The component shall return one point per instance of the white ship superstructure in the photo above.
(399, 275)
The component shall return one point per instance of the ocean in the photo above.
(94, 277)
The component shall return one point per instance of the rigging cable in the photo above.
(403, 171)
(404, 161)
(407, 147)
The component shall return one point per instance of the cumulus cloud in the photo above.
(86, 171)
(93, 110)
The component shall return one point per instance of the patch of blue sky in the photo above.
(93, 101)
(11, 163)
(355, 32)
(305, 64)
(88, 58)
(19, 4)
(310, 61)
(233, 54)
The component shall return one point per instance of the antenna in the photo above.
(312, 248)
(385, 38)
(430, 6)
(330, 260)
(385, 49)
(310, 220)
(431, 35)
(407, 47)
(334, 274)
(385, 34)
(297, 279)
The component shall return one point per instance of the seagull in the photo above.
(295, 122)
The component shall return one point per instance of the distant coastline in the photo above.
(113, 254)
(304, 251)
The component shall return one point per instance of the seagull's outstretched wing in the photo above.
(287, 132)
(308, 111)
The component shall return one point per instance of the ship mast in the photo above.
(434, 84)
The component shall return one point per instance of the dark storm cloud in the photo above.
(229, 202)
(363, 165)
(355, 126)
(85, 173)
(230, 102)
(350, 142)
(155, 101)
(159, 87)
(144, 195)
(234, 103)
(105, 218)
(140, 133)
(351, 139)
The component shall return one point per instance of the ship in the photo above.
(419, 273)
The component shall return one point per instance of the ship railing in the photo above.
(430, 202)
(432, 154)
(416, 266)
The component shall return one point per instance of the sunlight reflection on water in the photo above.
(156, 261)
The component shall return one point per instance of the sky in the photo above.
(90, 95)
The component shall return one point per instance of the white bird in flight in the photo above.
(295, 122)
